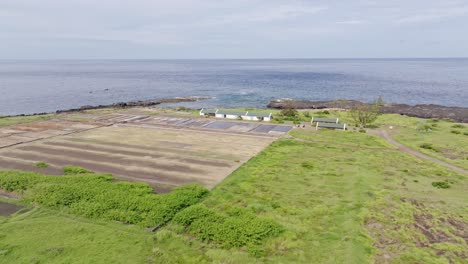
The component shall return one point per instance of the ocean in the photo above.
(35, 86)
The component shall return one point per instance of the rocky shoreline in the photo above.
(141, 103)
(457, 114)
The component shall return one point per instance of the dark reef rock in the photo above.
(145, 103)
(458, 114)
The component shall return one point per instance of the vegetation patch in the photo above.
(236, 228)
(456, 132)
(441, 184)
(429, 146)
(458, 126)
(96, 196)
(75, 170)
(42, 165)
(307, 164)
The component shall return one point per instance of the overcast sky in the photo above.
(149, 29)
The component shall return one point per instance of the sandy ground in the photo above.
(161, 155)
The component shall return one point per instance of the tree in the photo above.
(365, 114)
(289, 110)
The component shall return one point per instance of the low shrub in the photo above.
(441, 184)
(236, 228)
(289, 111)
(458, 126)
(465, 133)
(456, 132)
(75, 170)
(428, 146)
(307, 164)
(42, 165)
(306, 113)
(324, 112)
(97, 196)
(424, 128)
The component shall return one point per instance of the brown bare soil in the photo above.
(7, 209)
(161, 157)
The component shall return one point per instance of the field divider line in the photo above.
(205, 130)
(54, 136)
(151, 173)
(142, 169)
(158, 162)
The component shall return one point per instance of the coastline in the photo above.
(140, 103)
(431, 111)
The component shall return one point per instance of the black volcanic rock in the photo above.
(458, 114)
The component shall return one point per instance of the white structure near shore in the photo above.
(251, 116)
(208, 112)
(229, 114)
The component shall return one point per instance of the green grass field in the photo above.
(361, 202)
(50, 236)
(449, 140)
(334, 196)
(8, 121)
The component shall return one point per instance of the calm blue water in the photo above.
(44, 86)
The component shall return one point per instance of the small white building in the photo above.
(208, 112)
(252, 116)
(229, 114)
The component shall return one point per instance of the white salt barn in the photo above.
(208, 112)
(252, 116)
(229, 114)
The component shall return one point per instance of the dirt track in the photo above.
(384, 134)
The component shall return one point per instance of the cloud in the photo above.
(267, 14)
(351, 22)
(433, 15)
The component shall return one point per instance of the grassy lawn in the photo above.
(448, 140)
(8, 121)
(445, 140)
(340, 197)
(49, 236)
(364, 203)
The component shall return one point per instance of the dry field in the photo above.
(161, 156)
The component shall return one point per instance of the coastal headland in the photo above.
(430, 111)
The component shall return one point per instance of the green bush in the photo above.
(307, 164)
(458, 126)
(97, 196)
(289, 111)
(456, 132)
(428, 146)
(306, 113)
(465, 133)
(236, 228)
(424, 128)
(441, 184)
(42, 165)
(74, 170)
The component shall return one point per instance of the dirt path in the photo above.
(384, 134)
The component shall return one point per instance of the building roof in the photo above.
(331, 125)
(258, 114)
(324, 120)
(208, 111)
(222, 112)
